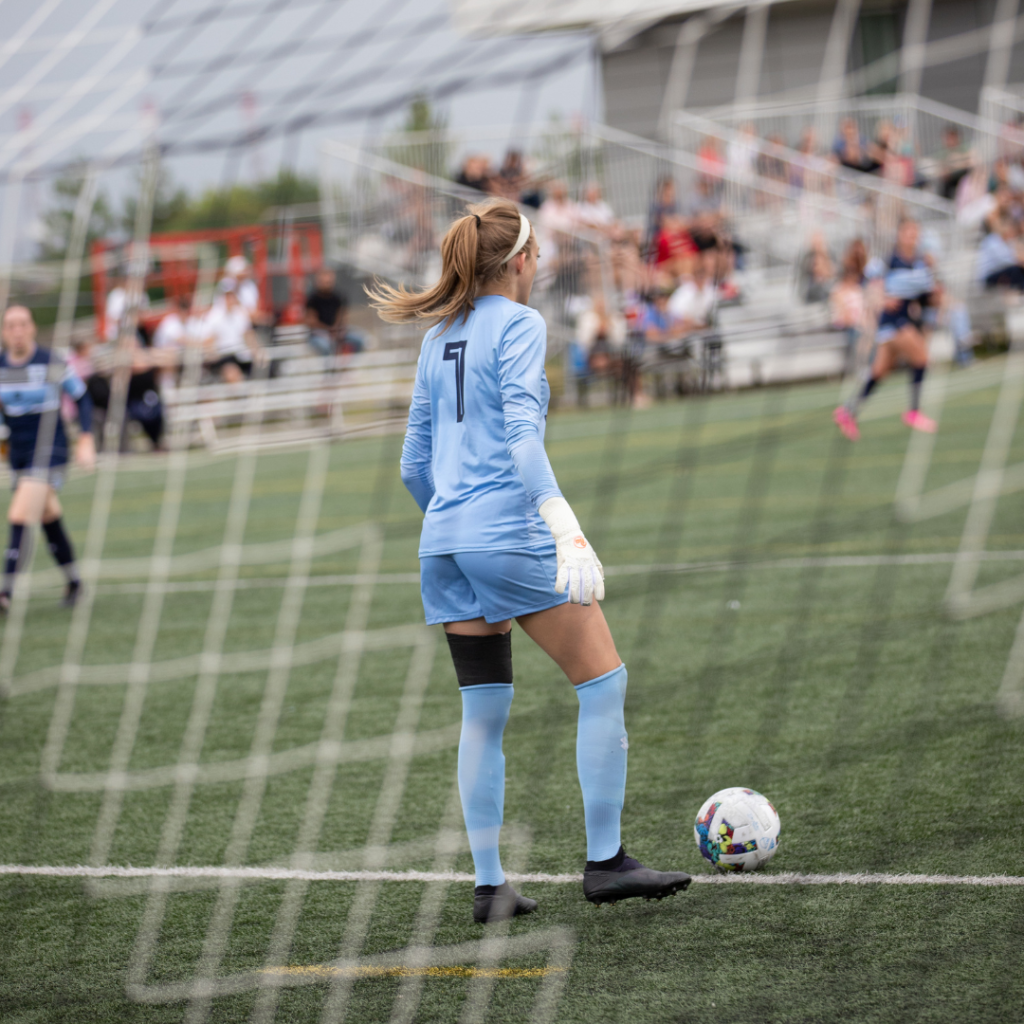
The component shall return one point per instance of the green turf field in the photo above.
(836, 685)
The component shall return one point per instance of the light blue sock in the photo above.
(601, 746)
(485, 709)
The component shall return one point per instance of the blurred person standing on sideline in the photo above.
(32, 381)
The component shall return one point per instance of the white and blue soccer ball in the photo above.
(737, 829)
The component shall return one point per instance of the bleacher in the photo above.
(298, 394)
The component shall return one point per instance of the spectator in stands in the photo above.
(674, 247)
(974, 202)
(558, 221)
(851, 150)
(476, 170)
(999, 258)
(718, 253)
(711, 162)
(771, 164)
(659, 325)
(705, 200)
(663, 206)
(326, 314)
(816, 270)
(144, 404)
(742, 154)
(117, 300)
(173, 332)
(229, 338)
(240, 270)
(594, 213)
(170, 332)
(847, 301)
(601, 336)
(117, 306)
(692, 304)
(954, 160)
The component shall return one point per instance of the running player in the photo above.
(31, 385)
(499, 542)
(911, 295)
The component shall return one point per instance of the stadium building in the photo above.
(656, 57)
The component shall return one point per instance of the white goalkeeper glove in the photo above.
(579, 568)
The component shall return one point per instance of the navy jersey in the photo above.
(910, 281)
(480, 394)
(29, 391)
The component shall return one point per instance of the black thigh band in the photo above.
(481, 659)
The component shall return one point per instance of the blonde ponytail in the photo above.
(471, 255)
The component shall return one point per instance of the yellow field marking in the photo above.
(359, 971)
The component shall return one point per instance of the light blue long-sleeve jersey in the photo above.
(474, 456)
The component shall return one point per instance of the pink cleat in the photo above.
(846, 423)
(918, 421)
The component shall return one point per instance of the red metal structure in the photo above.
(285, 254)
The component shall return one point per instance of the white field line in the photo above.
(639, 569)
(321, 785)
(278, 677)
(272, 874)
(312, 651)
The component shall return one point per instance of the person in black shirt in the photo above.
(326, 314)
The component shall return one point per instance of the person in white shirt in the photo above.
(693, 302)
(229, 338)
(117, 299)
(116, 307)
(239, 270)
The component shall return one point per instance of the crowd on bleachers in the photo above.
(229, 338)
(636, 293)
(636, 296)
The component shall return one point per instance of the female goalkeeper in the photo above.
(499, 542)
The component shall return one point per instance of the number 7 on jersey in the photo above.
(456, 350)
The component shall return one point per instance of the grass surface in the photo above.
(842, 692)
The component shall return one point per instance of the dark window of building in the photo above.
(880, 38)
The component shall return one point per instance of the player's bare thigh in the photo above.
(34, 501)
(576, 637)
(911, 346)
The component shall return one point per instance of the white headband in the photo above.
(524, 234)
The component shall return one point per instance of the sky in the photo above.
(234, 89)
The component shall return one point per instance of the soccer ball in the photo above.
(737, 830)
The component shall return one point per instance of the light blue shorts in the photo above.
(494, 585)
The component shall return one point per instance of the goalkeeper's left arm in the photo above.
(520, 371)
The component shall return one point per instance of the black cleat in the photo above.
(72, 592)
(629, 878)
(492, 903)
(5, 602)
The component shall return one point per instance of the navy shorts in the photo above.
(494, 585)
